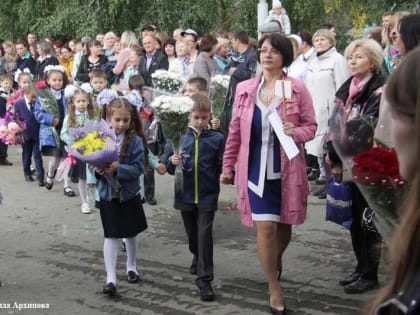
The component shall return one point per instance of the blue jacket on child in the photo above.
(46, 119)
(202, 156)
(127, 174)
(32, 125)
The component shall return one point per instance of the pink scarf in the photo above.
(357, 86)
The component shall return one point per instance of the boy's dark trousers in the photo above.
(149, 185)
(199, 228)
(149, 177)
(28, 147)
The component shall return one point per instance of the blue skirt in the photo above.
(268, 207)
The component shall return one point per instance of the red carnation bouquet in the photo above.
(376, 173)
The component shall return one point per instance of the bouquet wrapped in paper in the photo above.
(376, 173)
(94, 144)
(49, 105)
(173, 112)
(218, 89)
(11, 129)
(373, 168)
(167, 81)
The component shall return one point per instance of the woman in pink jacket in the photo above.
(272, 190)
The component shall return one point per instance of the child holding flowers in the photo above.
(50, 109)
(122, 213)
(201, 160)
(80, 108)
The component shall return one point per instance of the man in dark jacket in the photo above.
(242, 68)
(152, 60)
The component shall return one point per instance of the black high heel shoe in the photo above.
(275, 311)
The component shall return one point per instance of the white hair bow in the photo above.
(54, 68)
(19, 72)
(70, 90)
(87, 88)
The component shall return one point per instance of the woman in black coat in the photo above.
(46, 58)
(92, 60)
(359, 96)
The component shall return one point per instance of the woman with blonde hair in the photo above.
(128, 40)
(182, 64)
(360, 96)
(109, 40)
(8, 61)
(222, 54)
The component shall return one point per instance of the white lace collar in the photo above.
(56, 93)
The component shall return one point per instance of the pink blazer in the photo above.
(294, 183)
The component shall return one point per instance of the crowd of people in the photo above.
(75, 79)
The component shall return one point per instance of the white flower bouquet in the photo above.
(173, 112)
(167, 81)
(218, 89)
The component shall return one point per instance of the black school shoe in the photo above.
(151, 201)
(206, 291)
(109, 289)
(360, 286)
(132, 277)
(350, 279)
(29, 178)
(5, 162)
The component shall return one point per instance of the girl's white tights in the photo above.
(111, 254)
(131, 246)
(83, 190)
(52, 167)
(110, 258)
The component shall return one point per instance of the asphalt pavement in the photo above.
(51, 259)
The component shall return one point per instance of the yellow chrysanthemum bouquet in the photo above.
(94, 144)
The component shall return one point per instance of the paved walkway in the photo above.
(51, 253)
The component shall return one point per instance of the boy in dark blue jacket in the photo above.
(201, 162)
(25, 109)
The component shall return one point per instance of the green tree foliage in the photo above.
(66, 19)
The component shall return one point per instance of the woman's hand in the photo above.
(226, 179)
(289, 129)
(337, 172)
(176, 159)
(56, 121)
